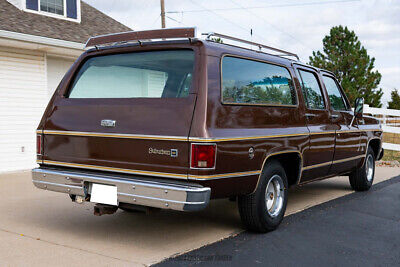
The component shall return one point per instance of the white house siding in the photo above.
(23, 97)
(17, 3)
(56, 69)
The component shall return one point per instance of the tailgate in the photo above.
(128, 113)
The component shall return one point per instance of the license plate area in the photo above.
(104, 194)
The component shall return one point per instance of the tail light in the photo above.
(39, 144)
(203, 156)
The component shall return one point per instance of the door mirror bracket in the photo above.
(359, 107)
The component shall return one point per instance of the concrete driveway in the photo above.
(39, 227)
(359, 229)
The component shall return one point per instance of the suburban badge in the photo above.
(172, 152)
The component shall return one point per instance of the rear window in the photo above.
(156, 74)
(252, 82)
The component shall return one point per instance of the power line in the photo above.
(227, 20)
(152, 24)
(248, 30)
(179, 22)
(267, 6)
(272, 25)
(168, 17)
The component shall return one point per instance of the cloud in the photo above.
(299, 29)
(390, 71)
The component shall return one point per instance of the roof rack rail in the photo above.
(141, 35)
(260, 46)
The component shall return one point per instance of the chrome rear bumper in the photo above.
(151, 193)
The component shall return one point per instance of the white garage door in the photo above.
(23, 98)
(24, 93)
(56, 69)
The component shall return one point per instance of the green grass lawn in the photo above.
(389, 154)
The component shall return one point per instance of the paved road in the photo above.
(38, 226)
(360, 229)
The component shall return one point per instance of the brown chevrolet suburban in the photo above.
(174, 122)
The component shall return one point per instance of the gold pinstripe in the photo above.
(224, 175)
(102, 168)
(332, 162)
(158, 174)
(130, 136)
(316, 165)
(190, 176)
(173, 138)
(193, 139)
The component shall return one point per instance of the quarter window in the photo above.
(252, 82)
(335, 97)
(311, 90)
(52, 6)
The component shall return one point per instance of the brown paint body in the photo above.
(270, 130)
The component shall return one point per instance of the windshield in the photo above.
(156, 74)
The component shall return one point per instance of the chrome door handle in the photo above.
(334, 116)
(310, 115)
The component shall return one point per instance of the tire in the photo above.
(362, 178)
(258, 213)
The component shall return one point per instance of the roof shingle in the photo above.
(93, 22)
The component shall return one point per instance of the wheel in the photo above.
(362, 178)
(263, 210)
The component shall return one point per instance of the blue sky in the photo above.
(294, 25)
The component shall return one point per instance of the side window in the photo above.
(311, 90)
(252, 82)
(335, 97)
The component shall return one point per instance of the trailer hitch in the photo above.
(101, 209)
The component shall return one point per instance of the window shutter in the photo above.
(72, 9)
(32, 4)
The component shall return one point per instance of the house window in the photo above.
(68, 9)
(52, 6)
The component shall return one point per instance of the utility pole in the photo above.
(162, 4)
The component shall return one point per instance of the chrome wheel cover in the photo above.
(274, 195)
(369, 168)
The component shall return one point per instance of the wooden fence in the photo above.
(390, 120)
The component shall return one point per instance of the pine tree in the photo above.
(344, 55)
(395, 102)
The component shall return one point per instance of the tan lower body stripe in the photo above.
(149, 173)
(184, 176)
(332, 162)
(94, 167)
(225, 175)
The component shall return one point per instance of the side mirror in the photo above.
(359, 107)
